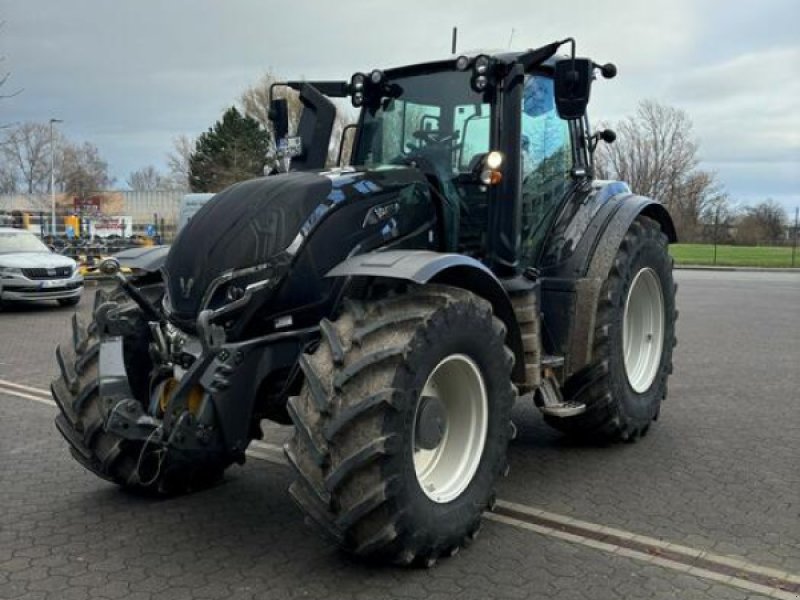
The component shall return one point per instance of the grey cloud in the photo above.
(130, 76)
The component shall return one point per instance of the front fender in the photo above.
(148, 259)
(457, 270)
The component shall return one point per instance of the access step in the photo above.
(554, 362)
(563, 409)
(553, 404)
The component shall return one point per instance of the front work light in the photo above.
(480, 83)
(357, 82)
(494, 159)
(376, 77)
(482, 63)
(462, 63)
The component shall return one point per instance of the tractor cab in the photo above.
(500, 137)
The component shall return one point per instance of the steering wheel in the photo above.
(431, 136)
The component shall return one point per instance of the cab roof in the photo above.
(502, 56)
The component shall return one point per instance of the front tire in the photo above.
(133, 465)
(382, 479)
(625, 383)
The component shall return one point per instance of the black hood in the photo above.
(242, 226)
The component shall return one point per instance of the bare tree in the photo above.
(4, 77)
(255, 104)
(82, 171)
(8, 179)
(178, 162)
(656, 153)
(26, 154)
(764, 223)
(148, 179)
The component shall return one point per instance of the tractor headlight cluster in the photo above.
(357, 82)
(491, 173)
(362, 85)
(482, 71)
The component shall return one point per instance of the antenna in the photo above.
(455, 39)
(511, 38)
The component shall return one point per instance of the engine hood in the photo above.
(251, 223)
(28, 260)
(242, 226)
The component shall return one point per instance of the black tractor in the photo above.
(392, 311)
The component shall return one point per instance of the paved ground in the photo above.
(719, 472)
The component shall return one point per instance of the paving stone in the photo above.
(713, 472)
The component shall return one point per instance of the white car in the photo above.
(29, 270)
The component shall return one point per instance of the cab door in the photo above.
(546, 163)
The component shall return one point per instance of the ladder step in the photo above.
(564, 409)
(548, 360)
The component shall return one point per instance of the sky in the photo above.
(130, 76)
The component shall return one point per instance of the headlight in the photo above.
(494, 159)
(9, 271)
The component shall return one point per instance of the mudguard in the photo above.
(571, 287)
(458, 270)
(149, 259)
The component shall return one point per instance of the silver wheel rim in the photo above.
(445, 471)
(643, 330)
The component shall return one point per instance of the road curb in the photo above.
(750, 269)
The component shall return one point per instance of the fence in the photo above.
(110, 214)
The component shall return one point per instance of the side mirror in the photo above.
(314, 129)
(279, 115)
(573, 84)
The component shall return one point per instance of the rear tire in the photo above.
(623, 399)
(356, 446)
(133, 465)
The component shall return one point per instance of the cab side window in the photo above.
(546, 159)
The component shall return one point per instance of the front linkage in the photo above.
(191, 414)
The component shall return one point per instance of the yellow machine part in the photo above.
(193, 402)
(73, 221)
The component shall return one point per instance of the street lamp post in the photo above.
(53, 179)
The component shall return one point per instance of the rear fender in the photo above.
(456, 270)
(570, 291)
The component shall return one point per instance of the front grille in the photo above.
(35, 289)
(55, 273)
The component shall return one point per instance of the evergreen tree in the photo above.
(233, 150)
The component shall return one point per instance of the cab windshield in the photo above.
(436, 118)
(439, 124)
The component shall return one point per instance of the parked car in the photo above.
(29, 270)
